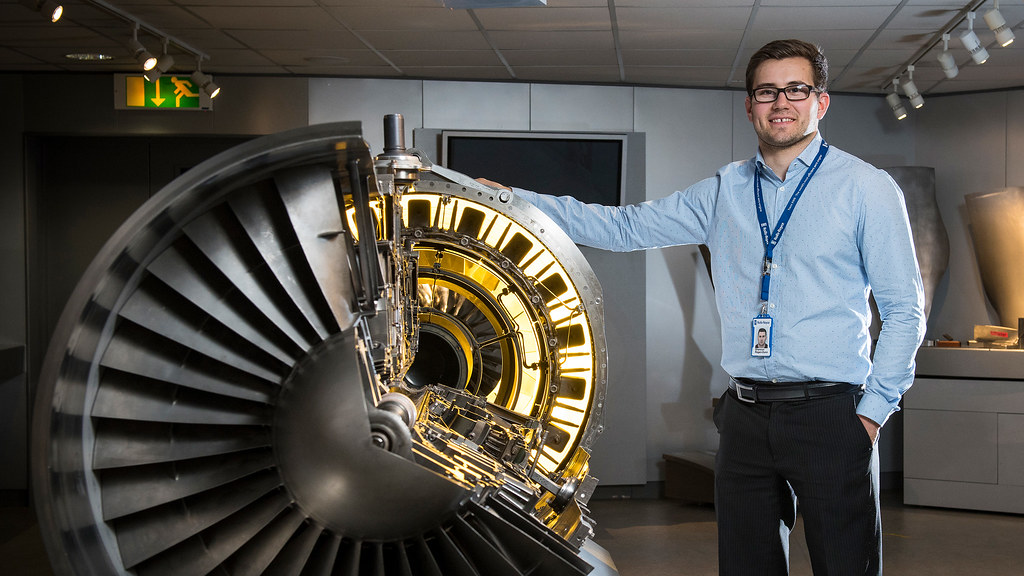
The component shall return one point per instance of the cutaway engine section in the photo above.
(298, 359)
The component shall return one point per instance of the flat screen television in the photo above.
(588, 166)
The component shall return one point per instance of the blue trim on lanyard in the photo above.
(772, 239)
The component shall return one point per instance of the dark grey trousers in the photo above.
(772, 456)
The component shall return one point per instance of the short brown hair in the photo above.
(780, 49)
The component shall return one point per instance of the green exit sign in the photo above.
(169, 92)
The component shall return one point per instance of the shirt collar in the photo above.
(806, 157)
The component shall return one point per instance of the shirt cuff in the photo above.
(527, 195)
(875, 407)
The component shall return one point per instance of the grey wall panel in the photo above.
(368, 101)
(744, 141)
(1011, 449)
(969, 395)
(865, 127)
(972, 496)
(621, 454)
(476, 106)
(581, 108)
(1015, 138)
(964, 138)
(953, 446)
(689, 136)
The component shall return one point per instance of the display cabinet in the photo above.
(964, 430)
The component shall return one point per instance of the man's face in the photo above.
(762, 336)
(782, 123)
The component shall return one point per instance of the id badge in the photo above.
(761, 336)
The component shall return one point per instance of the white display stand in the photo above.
(964, 430)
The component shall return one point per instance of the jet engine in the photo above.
(301, 359)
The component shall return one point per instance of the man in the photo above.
(799, 236)
(761, 345)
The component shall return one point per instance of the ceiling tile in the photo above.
(406, 59)
(824, 18)
(323, 58)
(679, 76)
(517, 58)
(702, 18)
(267, 17)
(296, 39)
(722, 58)
(416, 40)
(679, 39)
(553, 40)
(545, 19)
(460, 72)
(572, 74)
(409, 18)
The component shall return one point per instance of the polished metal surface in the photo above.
(997, 228)
(297, 358)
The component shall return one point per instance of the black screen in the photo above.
(589, 169)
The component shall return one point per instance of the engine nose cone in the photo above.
(331, 467)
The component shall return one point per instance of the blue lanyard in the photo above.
(771, 240)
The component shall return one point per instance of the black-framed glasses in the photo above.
(793, 93)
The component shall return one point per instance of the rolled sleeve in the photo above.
(680, 218)
(895, 279)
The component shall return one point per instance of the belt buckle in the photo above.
(741, 387)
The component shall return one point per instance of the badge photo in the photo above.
(761, 337)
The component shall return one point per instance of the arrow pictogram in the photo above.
(157, 99)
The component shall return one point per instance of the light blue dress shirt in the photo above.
(849, 236)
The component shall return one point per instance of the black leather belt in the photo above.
(763, 391)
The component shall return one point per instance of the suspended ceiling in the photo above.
(685, 43)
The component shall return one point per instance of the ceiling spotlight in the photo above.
(971, 42)
(894, 101)
(910, 89)
(206, 83)
(163, 64)
(55, 11)
(51, 9)
(997, 24)
(946, 59)
(139, 52)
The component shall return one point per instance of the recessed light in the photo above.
(88, 56)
